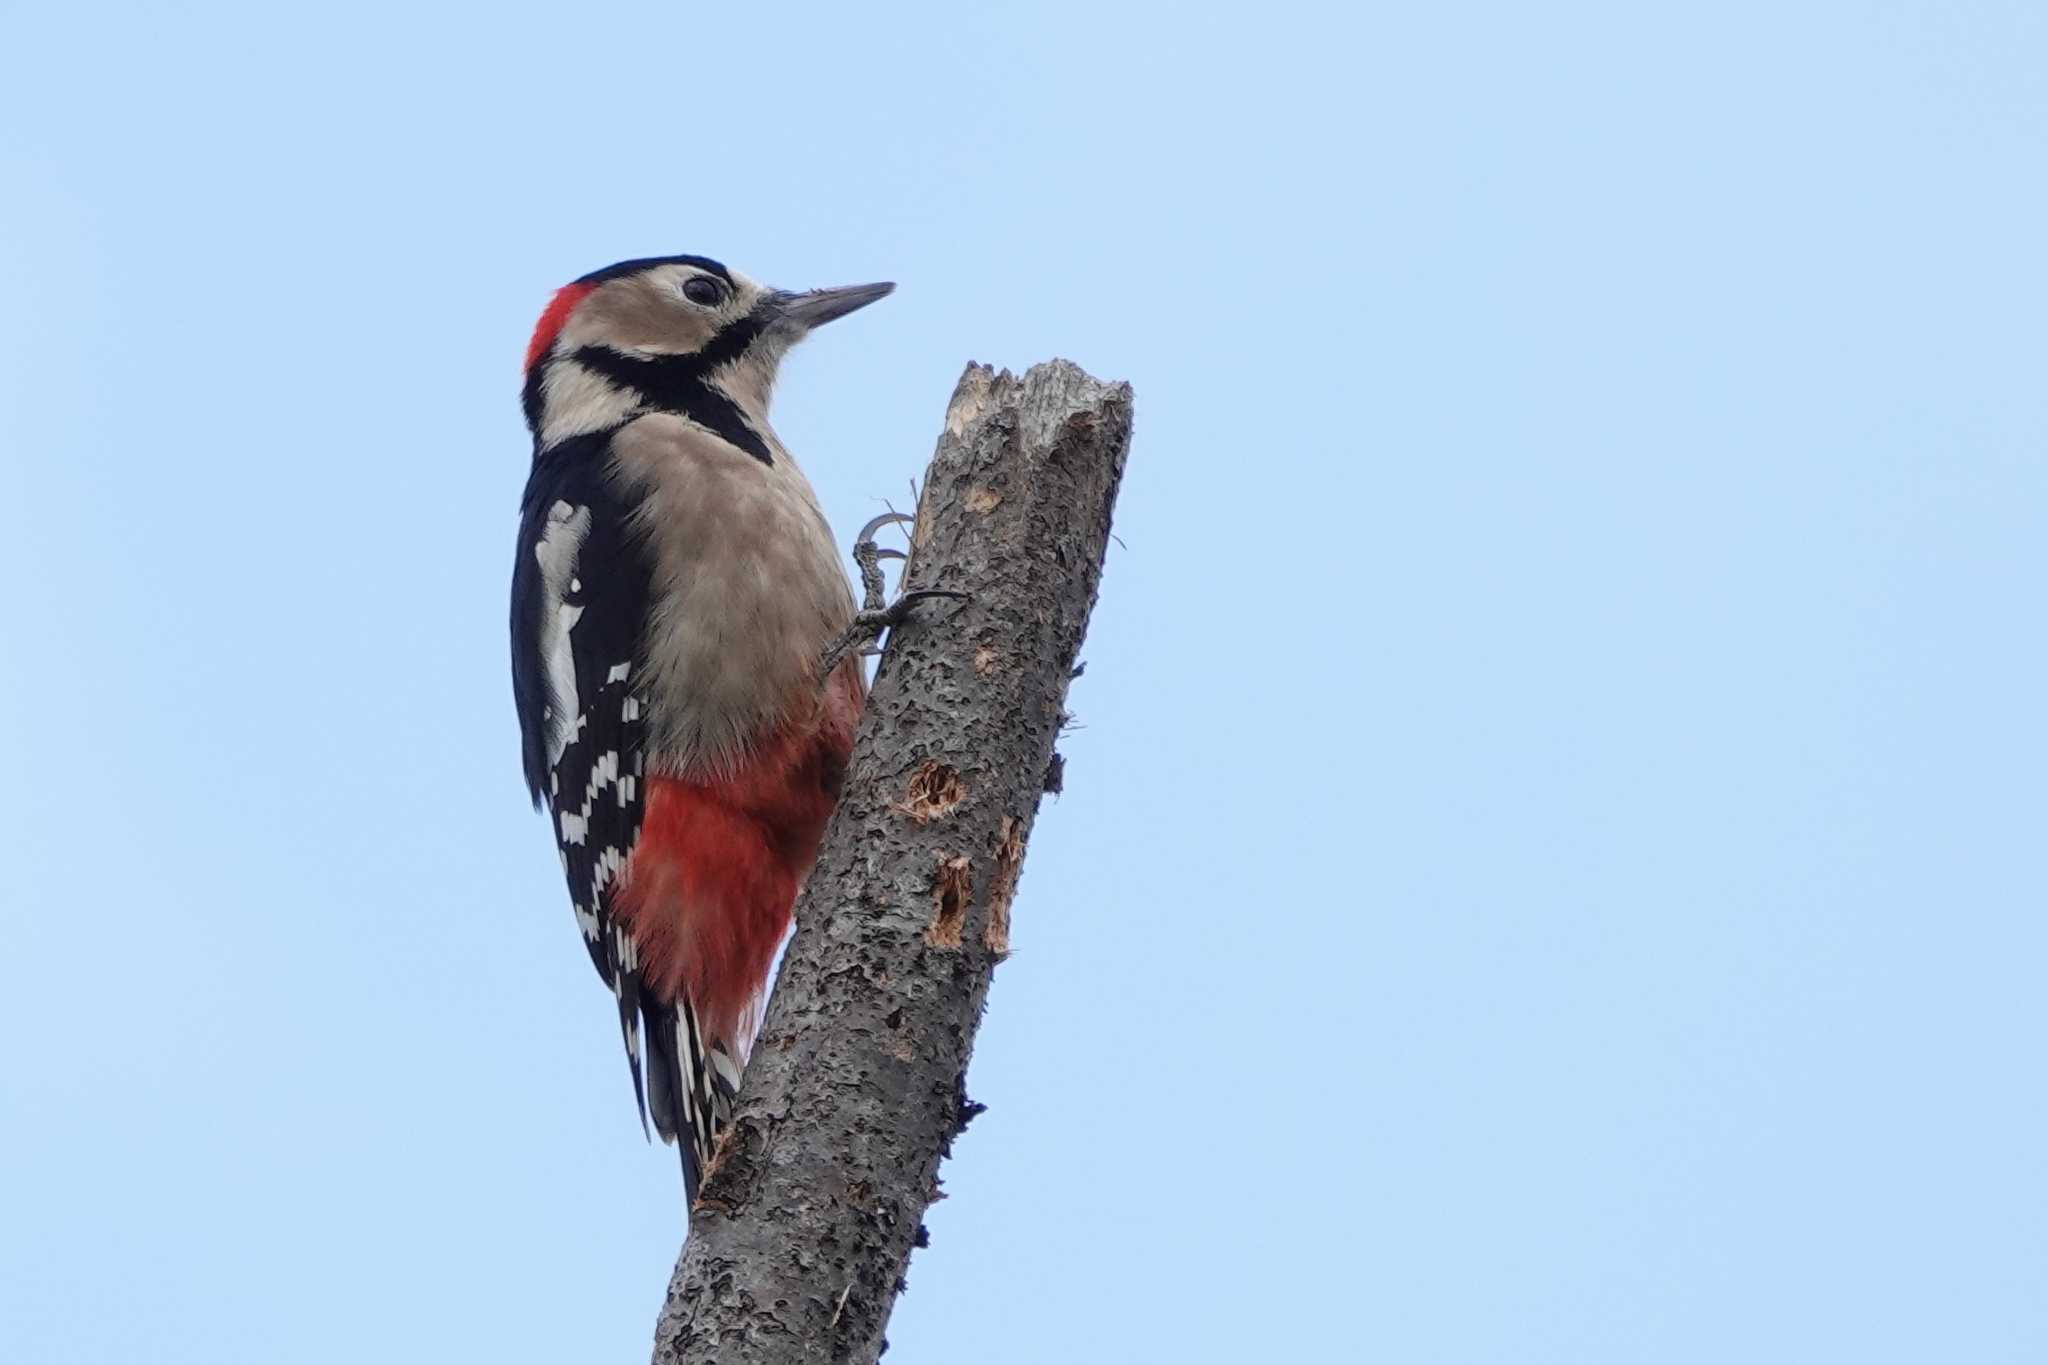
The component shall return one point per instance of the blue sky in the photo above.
(1552, 868)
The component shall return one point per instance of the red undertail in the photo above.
(719, 860)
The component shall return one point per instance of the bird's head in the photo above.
(670, 333)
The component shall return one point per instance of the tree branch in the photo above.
(805, 1224)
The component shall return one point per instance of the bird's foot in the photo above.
(877, 613)
(869, 556)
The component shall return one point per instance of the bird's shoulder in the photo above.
(581, 588)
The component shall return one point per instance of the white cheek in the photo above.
(576, 400)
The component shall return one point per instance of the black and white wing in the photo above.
(580, 593)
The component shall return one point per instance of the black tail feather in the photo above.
(668, 1085)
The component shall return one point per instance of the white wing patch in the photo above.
(559, 545)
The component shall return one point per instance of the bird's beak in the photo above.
(816, 307)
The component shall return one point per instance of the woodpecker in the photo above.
(674, 595)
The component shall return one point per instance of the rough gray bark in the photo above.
(805, 1224)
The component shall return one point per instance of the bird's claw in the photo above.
(865, 630)
(869, 556)
(876, 614)
(867, 532)
(898, 612)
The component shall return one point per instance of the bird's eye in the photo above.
(702, 289)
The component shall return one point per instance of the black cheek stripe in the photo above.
(682, 383)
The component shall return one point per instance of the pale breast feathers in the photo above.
(748, 584)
